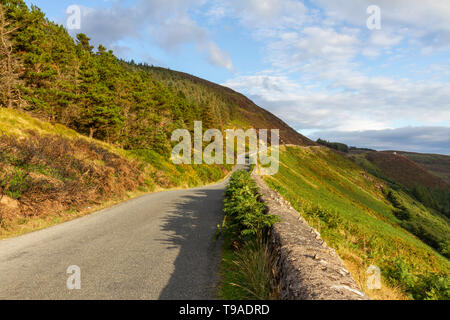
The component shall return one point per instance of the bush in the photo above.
(334, 145)
(331, 218)
(245, 216)
(402, 214)
(15, 184)
(430, 286)
(49, 174)
(398, 274)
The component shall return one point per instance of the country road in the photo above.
(159, 246)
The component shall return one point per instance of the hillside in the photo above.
(403, 174)
(50, 174)
(64, 91)
(57, 79)
(403, 170)
(437, 164)
(245, 112)
(355, 215)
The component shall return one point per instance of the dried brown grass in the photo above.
(46, 174)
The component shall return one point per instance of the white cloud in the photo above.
(427, 21)
(382, 39)
(318, 77)
(219, 58)
(317, 83)
(349, 104)
(166, 22)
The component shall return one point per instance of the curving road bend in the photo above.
(159, 246)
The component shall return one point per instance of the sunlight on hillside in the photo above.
(350, 210)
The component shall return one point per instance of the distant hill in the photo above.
(437, 164)
(401, 173)
(403, 170)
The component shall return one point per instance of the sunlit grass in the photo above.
(349, 208)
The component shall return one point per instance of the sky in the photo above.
(320, 65)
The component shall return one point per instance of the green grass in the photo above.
(246, 267)
(350, 209)
(247, 273)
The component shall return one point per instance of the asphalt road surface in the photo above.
(159, 246)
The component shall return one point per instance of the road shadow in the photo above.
(190, 227)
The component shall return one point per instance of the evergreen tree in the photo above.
(83, 41)
(9, 65)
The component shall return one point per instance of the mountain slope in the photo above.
(403, 174)
(403, 170)
(245, 112)
(437, 164)
(127, 111)
(50, 174)
(352, 211)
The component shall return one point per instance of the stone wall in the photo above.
(306, 268)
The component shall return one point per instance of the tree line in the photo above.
(47, 73)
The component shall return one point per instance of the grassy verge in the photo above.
(246, 267)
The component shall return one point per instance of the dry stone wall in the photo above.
(305, 267)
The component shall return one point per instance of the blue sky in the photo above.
(313, 63)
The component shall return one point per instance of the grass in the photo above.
(247, 273)
(350, 209)
(50, 174)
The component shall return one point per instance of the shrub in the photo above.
(429, 286)
(48, 174)
(331, 218)
(432, 287)
(334, 145)
(402, 214)
(244, 214)
(15, 184)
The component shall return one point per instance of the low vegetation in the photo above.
(358, 216)
(50, 174)
(246, 266)
(436, 164)
(428, 217)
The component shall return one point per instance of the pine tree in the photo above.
(9, 65)
(83, 41)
